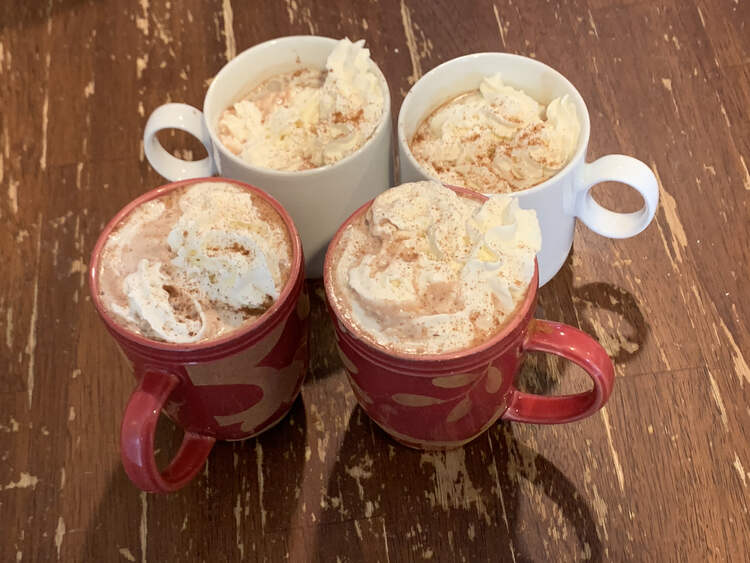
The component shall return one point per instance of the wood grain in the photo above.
(662, 473)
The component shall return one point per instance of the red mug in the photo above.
(442, 401)
(229, 388)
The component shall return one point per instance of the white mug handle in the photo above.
(188, 119)
(617, 168)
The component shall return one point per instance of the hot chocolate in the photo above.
(307, 117)
(496, 139)
(195, 263)
(425, 270)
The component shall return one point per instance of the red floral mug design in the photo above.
(231, 388)
(442, 401)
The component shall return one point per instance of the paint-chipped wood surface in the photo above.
(661, 474)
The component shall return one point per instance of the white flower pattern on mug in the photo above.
(275, 394)
(266, 386)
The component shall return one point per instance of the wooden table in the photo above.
(661, 474)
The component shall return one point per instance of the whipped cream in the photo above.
(309, 117)
(497, 139)
(428, 271)
(195, 264)
(150, 307)
(225, 249)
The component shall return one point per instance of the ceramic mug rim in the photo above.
(448, 67)
(230, 67)
(258, 327)
(520, 318)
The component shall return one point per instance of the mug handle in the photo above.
(137, 439)
(617, 168)
(578, 347)
(188, 119)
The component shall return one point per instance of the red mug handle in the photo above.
(137, 439)
(578, 347)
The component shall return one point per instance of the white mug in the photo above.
(319, 199)
(559, 199)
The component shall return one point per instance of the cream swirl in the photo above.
(222, 247)
(497, 139)
(428, 271)
(152, 308)
(221, 255)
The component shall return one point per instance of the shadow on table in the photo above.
(585, 307)
(464, 504)
(324, 358)
(245, 487)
